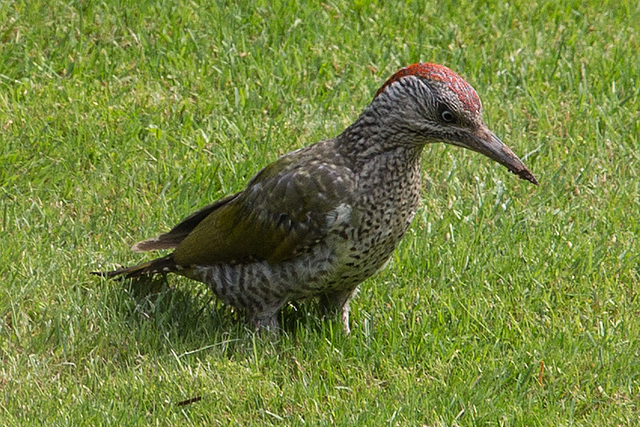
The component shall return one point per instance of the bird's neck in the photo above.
(384, 163)
(372, 139)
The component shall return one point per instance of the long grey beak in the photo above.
(485, 142)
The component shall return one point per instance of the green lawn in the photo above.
(506, 304)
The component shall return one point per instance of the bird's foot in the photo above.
(337, 303)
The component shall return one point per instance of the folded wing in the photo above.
(286, 208)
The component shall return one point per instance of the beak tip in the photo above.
(526, 174)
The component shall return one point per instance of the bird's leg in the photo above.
(265, 321)
(338, 303)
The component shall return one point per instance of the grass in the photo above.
(506, 304)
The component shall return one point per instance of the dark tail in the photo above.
(159, 265)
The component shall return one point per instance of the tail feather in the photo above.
(165, 264)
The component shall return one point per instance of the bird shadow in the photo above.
(188, 314)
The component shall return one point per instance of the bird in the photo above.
(320, 220)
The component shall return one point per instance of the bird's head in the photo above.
(425, 103)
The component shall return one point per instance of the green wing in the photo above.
(287, 207)
(177, 234)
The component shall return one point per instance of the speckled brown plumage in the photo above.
(320, 220)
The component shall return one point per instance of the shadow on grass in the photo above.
(180, 312)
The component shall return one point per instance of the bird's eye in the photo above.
(447, 116)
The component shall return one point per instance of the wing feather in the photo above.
(287, 207)
(177, 234)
